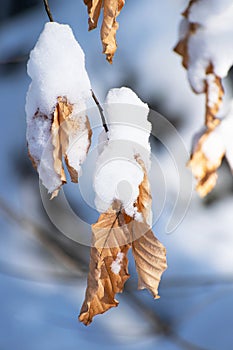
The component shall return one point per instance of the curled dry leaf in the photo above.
(111, 9)
(108, 270)
(181, 47)
(93, 8)
(70, 138)
(149, 253)
(204, 168)
(144, 200)
(150, 258)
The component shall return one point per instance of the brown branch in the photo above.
(101, 111)
(47, 9)
(60, 249)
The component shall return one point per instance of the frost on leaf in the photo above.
(103, 283)
(111, 9)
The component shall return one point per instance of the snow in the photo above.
(118, 174)
(78, 140)
(220, 140)
(116, 264)
(213, 91)
(226, 130)
(57, 69)
(212, 41)
(213, 148)
(38, 134)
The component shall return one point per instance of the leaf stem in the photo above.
(47, 9)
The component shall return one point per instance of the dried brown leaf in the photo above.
(204, 169)
(150, 258)
(69, 133)
(65, 129)
(113, 235)
(213, 82)
(109, 27)
(93, 8)
(62, 109)
(148, 252)
(103, 283)
(181, 47)
(144, 200)
(111, 9)
(212, 107)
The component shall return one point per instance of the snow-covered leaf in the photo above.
(214, 95)
(205, 160)
(57, 125)
(200, 60)
(205, 44)
(70, 138)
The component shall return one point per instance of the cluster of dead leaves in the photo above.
(115, 232)
(111, 9)
(65, 129)
(113, 235)
(204, 170)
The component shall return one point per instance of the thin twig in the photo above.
(47, 9)
(183, 343)
(15, 60)
(57, 249)
(101, 111)
(158, 325)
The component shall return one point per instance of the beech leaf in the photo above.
(108, 270)
(93, 8)
(111, 9)
(144, 200)
(203, 168)
(70, 139)
(214, 94)
(150, 258)
(149, 253)
(113, 235)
